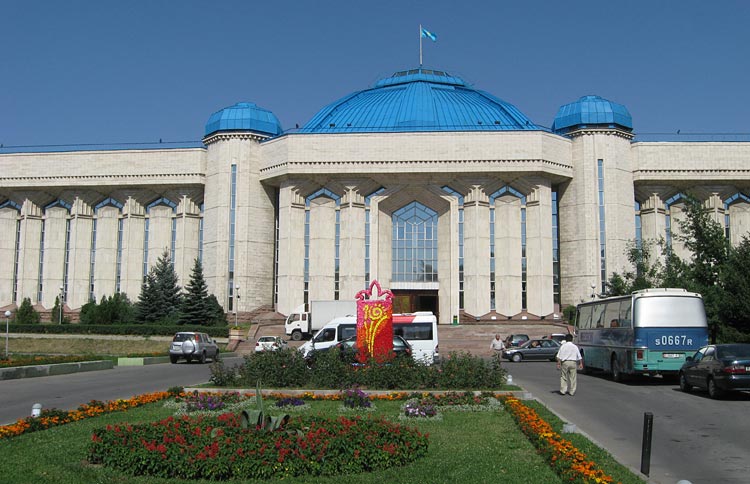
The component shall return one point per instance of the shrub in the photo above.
(26, 313)
(219, 448)
(356, 398)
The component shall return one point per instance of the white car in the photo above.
(269, 343)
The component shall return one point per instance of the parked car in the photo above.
(718, 369)
(270, 343)
(559, 337)
(535, 349)
(516, 340)
(193, 346)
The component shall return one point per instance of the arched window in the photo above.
(415, 244)
(736, 198)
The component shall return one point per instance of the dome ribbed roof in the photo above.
(592, 111)
(244, 117)
(418, 100)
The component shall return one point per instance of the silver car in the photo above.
(193, 346)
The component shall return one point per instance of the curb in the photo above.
(150, 360)
(16, 372)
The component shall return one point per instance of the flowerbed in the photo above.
(40, 360)
(570, 463)
(54, 417)
(219, 448)
(209, 403)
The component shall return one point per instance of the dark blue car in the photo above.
(717, 369)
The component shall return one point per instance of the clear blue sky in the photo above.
(140, 70)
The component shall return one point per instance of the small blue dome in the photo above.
(592, 111)
(244, 117)
(418, 100)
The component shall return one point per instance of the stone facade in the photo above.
(310, 216)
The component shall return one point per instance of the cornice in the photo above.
(592, 131)
(142, 178)
(224, 136)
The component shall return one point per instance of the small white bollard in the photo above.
(36, 410)
(509, 380)
(569, 428)
(683, 481)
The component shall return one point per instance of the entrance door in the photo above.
(410, 301)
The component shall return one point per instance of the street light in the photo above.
(7, 320)
(236, 303)
(60, 309)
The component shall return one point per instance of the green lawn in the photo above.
(464, 447)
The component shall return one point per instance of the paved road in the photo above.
(695, 438)
(66, 392)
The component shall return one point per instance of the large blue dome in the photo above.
(591, 111)
(418, 100)
(244, 117)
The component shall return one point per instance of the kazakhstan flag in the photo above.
(426, 33)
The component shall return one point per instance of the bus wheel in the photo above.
(616, 372)
(296, 335)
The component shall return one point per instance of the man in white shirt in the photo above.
(497, 346)
(569, 359)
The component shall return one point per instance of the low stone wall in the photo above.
(15, 372)
(150, 360)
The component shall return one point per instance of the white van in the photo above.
(419, 329)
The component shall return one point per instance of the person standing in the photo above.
(569, 360)
(498, 346)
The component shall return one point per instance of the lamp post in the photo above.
(60, 309)
(7, 320)
(236, 303)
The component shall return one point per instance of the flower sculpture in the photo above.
(374, 323)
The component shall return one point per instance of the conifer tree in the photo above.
(194, 309)
(26, 314)
(160, 297)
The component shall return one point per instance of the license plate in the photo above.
(671, 355)
(747, 369)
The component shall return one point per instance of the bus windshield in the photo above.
(669, 311)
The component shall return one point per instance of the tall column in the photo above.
(8, 233)
(448, 262)
(131, 264)
(653, 224)
(382, 249)
(55, 235)
(508, 255)
(29, 243)
(476, 252)
(715, 206)
(159, 232)
(351, 244)
(677, 215)
(322, 248)
(739, 221)
(79, 265)
(188, 239)
(291, 248)
(105, 262)
(539, 277)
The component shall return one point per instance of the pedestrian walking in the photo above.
(569, 360)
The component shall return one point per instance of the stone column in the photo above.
(677, 214)
(79, 265)
(28, 258)
(351, 244)
(539, 278)
(105, 263)
(739, 221)
(653, 224)
(715, 205)
(8, 232)
(159, 232)
(322, 248)
(476, 252)
(131, 265)
(55, 235)
(291, 273)
(381, 252)
(448, 262)
(508, 253)
(188, 239)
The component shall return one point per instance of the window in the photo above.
(415, 244)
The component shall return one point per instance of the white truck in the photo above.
(306, 319)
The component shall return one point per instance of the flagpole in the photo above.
(420, 45)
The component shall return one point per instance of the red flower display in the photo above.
(374, 323)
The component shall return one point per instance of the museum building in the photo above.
(445, 194)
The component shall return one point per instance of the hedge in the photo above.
(120, 329)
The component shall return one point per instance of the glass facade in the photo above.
(602, 226)
(415, 244)
(232, 232)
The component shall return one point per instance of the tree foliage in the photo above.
(197, 306)
(160, 297)
(26, 313)
(115, 309)
(715, 269)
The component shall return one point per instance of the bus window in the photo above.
(415, 331)
(626, 313)
(612, 315)
(599, 316)
(584, 317)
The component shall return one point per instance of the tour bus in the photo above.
(419, 329)
(649, 332)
